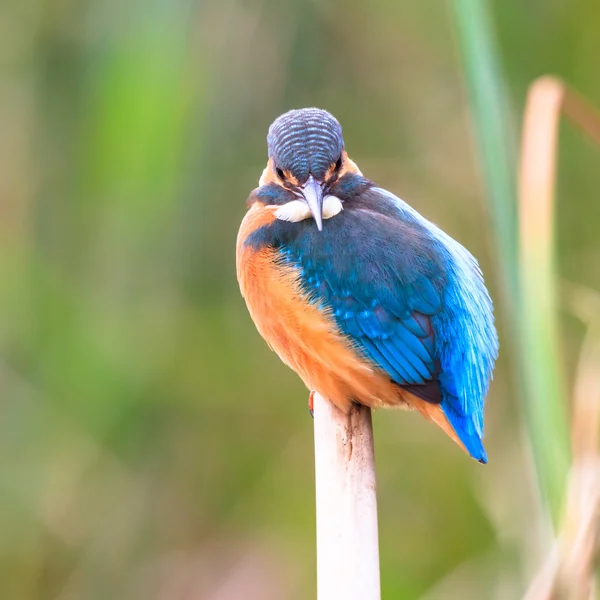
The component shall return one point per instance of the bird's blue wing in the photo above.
(467, 342)
(391, 329)
(412, 300)
(383, 282)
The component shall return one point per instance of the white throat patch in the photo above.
(332, 206)
(297, 210)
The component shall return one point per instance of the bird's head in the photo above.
(307, 158)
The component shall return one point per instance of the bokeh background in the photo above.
(151, 446)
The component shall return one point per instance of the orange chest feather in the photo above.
(278, 306)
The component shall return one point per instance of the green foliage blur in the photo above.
(151, 446)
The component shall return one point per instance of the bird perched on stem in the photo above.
(364, 298)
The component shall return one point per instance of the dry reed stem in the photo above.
(568, 571)
(347, 536)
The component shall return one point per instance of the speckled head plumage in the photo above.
(307, 159)
(305, 142)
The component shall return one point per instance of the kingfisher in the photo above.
(368, 301)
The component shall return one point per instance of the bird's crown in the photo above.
(305, 141)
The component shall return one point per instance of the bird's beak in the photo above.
(313, 194)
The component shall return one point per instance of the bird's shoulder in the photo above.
(370, 250)
(374, 243)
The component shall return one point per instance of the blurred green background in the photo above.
(151, 446)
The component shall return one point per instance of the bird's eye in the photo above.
(280, 174)
(338, 164)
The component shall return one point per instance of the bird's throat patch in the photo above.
(297, 210)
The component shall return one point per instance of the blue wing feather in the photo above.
(465, 336)
(376, 296)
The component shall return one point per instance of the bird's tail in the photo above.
(458, 427)
(465, 429)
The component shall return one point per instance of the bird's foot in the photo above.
(311, 404)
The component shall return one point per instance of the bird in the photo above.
(369, 302)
